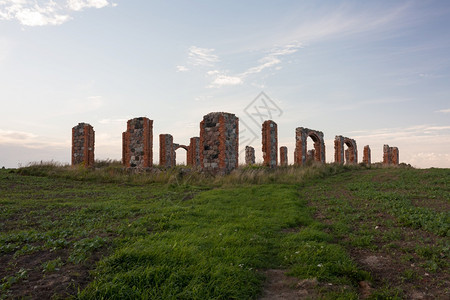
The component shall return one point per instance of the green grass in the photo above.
(181, 235)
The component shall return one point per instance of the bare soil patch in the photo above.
(279, 286)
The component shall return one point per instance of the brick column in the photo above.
(138, 143)
(387, 155)
(395, 156)
(249, 155)
(283, 156)
(219, 142)
(83, 140)
(270, 143)
(367, 156)
(166, 151)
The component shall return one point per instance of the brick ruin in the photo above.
(270, 143)
(137, 143)
(301, 136)
(367, 156)
(167, 157)
(249, 155)
(216, 151)
(219, 142)
(283, 156)
(193, 152)
(350, 154)
(390, 155)
(83, 139)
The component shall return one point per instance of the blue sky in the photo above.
(374, 71)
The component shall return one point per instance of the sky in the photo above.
(374, 71)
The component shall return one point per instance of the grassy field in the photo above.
(318, 232)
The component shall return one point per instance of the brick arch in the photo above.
(177, 146)
(301, 136)
(350, 155)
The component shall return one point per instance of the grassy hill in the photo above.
(319, 232)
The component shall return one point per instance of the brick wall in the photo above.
(283, 156)
(270, 143)
(301, 136)
(219, 142)
(137, 143)
(83, 139)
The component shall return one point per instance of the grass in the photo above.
(177, 234)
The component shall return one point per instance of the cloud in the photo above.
(221, 80)
(182, 69)
(202, 56)
(27, 139)
(78, 5)
(272, 59)
(45, 12)
(444, 111)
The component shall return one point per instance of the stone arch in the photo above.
(350, 155)
(175, 148)
(301, 136)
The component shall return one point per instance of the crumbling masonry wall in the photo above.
(83, 139)
(166, 151)
(390, 155)
(367, 160)
(137, 143)
(270, 143)
(283, 156)
(219, 142)
(249, 155)
(300, 154)
(193, 153)
(350, 155)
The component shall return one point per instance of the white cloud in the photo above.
(27, 139)
(221, 80)
(444, 111)
(182, 69)
(45, 12)
(202, 56)
(78, 5)
(272, 59)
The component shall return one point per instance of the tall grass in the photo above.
(110, 171)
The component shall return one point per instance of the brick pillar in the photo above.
(352, 156)
(367, 156)
(387, 155)
(283, 156)
(300, 154)
(395, 156)
(193, 154)
(270, 143)
(83, 140)
(166, 151)
(138, 143)
(124, 147)
(339, 155)
(219, 142)
(249, 155)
